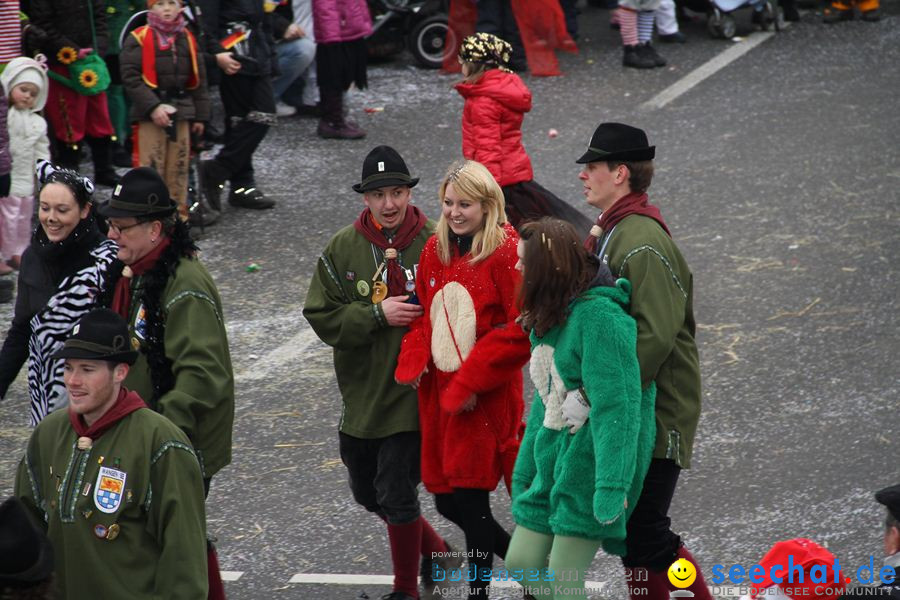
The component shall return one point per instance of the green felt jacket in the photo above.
(340, 310)
(158, 549)
(662, 304)
(586, 484)
(201, 401)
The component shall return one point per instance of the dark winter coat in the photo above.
(492, 125)
(216, 16)
(173, 71)
(67, 23)
(39, 279)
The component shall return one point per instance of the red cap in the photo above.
(806, 554)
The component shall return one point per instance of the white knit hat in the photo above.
(26, 70)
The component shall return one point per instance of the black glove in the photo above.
(5, 180)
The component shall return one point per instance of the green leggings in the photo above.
(566, 556)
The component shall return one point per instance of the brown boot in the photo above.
(332, 125)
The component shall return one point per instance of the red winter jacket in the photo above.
(467, 449)
(492, 125)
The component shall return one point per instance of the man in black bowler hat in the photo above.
(116, 487)
(174, 317)
(634, 240)
(359, 303)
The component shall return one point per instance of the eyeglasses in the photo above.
(120, 229)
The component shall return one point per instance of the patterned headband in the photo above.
(487, 49)
(81, 186)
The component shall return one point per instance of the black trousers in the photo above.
(470, 510)
(249, 111)
(496, 16)
(384, 474)
(649, 540)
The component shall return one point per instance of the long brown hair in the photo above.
(556, 269)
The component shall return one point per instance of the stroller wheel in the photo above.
(714, 23)
(729, 27)
(430, 40)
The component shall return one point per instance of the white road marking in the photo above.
(722, 592)
(707, 69)
(342, 579)
(719, 591)
(291, 351)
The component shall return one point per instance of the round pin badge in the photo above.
(431, 282)
(100, 531)
(410, 286)
(113, 532)
(362, 287)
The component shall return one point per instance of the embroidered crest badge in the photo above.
(109, 489)
(140, 323)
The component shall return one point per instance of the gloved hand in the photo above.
(575, 410)
(610, 504)
(5, 181)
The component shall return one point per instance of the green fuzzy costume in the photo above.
(586, 484)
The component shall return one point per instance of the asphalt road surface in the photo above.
(778, 172)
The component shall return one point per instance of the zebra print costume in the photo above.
(52, 325)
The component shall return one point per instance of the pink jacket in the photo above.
(341, 20)
(492, 125)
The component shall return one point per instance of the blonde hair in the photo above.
(476, 71)
(473, 181)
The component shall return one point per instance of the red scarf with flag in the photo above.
(370, 229)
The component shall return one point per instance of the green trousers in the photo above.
(567, 558)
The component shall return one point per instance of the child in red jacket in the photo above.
(465, 354)
(496, 100)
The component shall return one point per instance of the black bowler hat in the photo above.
(140, 192)
(617, 141)
(384, 167)
(26, 555)
(890, 497)
(100, 335)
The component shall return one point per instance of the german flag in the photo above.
(235, 38)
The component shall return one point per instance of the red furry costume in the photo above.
(470, 449)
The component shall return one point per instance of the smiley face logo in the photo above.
(682, 573)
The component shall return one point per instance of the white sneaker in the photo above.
(285, 110)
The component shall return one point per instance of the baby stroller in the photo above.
(417, 25)
(720, 18)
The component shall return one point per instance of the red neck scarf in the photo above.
(412, 224)
(166, 30)
(121, 302)
(126, 403)
(635, 203)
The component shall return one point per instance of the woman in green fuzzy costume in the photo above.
(591, 429)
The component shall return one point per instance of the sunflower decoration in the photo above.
(88, 78)
(67, 55)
